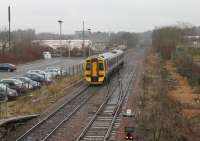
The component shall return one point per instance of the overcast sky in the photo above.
(99, 15)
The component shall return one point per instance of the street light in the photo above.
(60, 23)
(9, 26)
(83, 38)
(90, 38)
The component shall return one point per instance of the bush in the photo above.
(22, 55)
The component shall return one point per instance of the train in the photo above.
(98, 68)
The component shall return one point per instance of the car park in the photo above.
(6, 92)
(7, 67)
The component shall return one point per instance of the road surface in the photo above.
(41, 65)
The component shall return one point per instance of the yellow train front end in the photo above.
(94, 70)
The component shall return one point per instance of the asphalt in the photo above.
(41, 65)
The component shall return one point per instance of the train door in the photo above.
(94, 70)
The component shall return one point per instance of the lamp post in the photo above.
(90, 38)
(60, 23)
(9, 26)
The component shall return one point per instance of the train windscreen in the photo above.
(101, 66)
(88, 66)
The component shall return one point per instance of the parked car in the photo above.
(54, 72)
(31, 84)
(37, 77)
(7, 67)
(6, 91)
(15, 84)
(58, 69)
(43, 73)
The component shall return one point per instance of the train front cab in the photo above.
(94, 71)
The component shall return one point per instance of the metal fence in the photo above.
(74, 69)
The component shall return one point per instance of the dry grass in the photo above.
(167, 102)
(183, 92)
(39, 100)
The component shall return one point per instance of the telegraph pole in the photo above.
(90, 40)
(9, 26)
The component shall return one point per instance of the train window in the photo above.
(88, 66)
(101, 66)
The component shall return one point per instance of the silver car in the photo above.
(6, 92)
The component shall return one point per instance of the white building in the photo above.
(55, 44)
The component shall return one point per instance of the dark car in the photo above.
(14, 84)
(35, 77)
(26, 80)
(7, 67)
(5, 91)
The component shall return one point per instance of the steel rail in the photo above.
(106, 137)
(67, 117)
(118, 106)
(76, 94)
(95, 115)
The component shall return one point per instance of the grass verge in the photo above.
(39, 100)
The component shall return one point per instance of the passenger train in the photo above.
(98, 68)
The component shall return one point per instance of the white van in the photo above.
(46, 55)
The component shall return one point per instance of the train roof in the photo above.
(117, 51)
(107, 55)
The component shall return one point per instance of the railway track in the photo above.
(46, 127)
(102, 125)
(43, 129)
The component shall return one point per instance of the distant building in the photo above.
(100, 46)
(79, 34)
(55, 44)
(4, 46)
(76, 47)
(192, 41)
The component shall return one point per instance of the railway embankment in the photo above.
(42, 102)
(166, 103)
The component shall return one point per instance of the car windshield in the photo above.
(18, 82)
(2, 86)
(25, 79)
